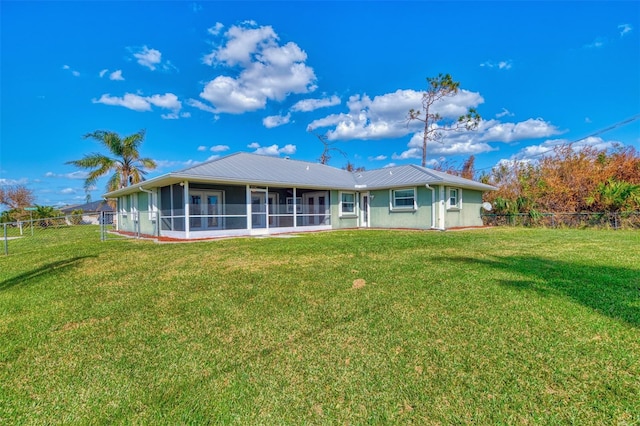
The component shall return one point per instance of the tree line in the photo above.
(567, 180)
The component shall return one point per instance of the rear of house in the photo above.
(249, 194)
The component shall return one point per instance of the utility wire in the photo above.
(596, 133)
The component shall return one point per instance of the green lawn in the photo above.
(500, 326)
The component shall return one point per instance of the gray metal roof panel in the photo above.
(410, 175)
(253, 168)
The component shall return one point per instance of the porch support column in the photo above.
(186, 209)
(295, 208)
(248, 201)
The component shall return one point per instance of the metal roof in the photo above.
(254, 169)
(409, 175)
(262, 169)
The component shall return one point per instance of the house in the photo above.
(90, 211)
(250, 194)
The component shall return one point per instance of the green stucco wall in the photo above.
(338, 222)
(382, 216)
(469, 214)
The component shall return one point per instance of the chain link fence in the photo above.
(604, 220)
(25, 235)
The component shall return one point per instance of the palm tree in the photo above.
(615, 195)
(127, 166)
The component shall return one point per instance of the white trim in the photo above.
(458, 204)
(185, 196)
(152, 203)
(392, 200)
(441, 209)
(355, 200)
(362, 212)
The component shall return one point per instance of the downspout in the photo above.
(441, 217)
(433, 205)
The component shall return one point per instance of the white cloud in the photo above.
(477, 141)
(495, 131)
(625, 29)
(67, 191)
(219, 148)
(79, 174)
(167, 101)
(11, 182)
(129, 100)
(215, 30)
(501, 65)
(116, 75)
(200, 105)
(596, 44)
(103, 72)
(547, 147)
(276, 120)
(73, 72)
(268, 70)
(378, 158)
(144, 103)
(307, 105)
(202, 148)
(411, 153)
(504, 113)
(273, 150)
(385, 116)
(149, 58)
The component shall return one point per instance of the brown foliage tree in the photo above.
(569, 180)
(16, 197)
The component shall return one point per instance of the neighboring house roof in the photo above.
(254, 169)
(94, 206)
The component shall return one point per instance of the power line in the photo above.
(596, 133)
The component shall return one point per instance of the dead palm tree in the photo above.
(125, 162)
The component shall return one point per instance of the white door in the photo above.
(205, 210)
(364, 210)
(258, 209)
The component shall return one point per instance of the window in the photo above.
(152, 206)
(455, 198)
(124, 205)
(347, 203)
(403, 199)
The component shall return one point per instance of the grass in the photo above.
(500, 326)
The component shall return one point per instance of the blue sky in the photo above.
(207, 79)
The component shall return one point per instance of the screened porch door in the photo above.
(205, 208)
(315, 207)
(258, 209)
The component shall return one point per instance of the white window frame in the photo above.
(392, 200)
(353, 203)
(133, 203)
(123, 204)
(458, 203)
